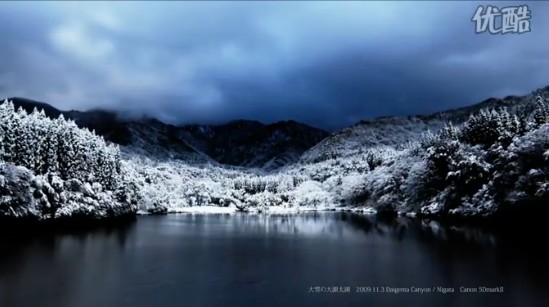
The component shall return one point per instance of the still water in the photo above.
(253, 260)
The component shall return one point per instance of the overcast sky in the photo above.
(328, 64)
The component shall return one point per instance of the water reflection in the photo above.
(267, 260)
(38, 264)
(424, 230)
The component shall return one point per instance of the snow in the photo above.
(49, 169)
(360, 181)
(268, 210)
(468, 169)
(203, 210)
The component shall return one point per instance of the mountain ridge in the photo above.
(400, 130)
(252, 144)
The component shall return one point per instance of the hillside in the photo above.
(486, 160)
(253, 144)
(398, 131)
(239, 143)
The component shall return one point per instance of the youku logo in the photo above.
(511, 19)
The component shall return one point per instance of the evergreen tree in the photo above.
(58, 146)
(540, 115)
(51, 163)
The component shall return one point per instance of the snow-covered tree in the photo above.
(540, 115)
(56, 146)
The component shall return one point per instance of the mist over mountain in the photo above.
(252, 144)
(238, 143)
(326, 64)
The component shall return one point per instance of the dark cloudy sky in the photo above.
(328, 64)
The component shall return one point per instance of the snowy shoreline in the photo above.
(264, 210)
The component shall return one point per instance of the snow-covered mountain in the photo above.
(400, 130)
(491, 162)
(239, 143)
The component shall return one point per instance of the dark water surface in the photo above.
(250, 260)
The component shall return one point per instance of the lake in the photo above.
(312, 259)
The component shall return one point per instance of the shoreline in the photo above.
(498, 220)
(259, 210)
(81, 223)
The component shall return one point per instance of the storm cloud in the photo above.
(328, 64)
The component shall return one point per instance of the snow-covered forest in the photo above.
(53, 169)
(495, 161)
(497, 158)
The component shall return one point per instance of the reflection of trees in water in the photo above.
(313, 223)
(338, 224)
(512, 238)
(511, 247)
(370, 224)
(36, 253)
(16, 239)
(282, 224)
(421, 230)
